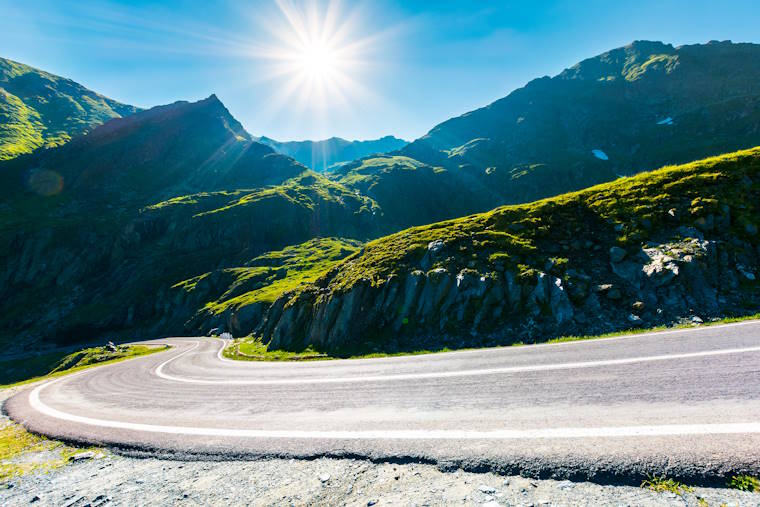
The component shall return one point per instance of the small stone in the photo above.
(491, 503)
(617, 254)
(34, 499)
(696, 320)
(638, 306)
(82, 456)
(488, 490)
(634, 319)
(110, 347)
(371, 502)
(324, 477)
(566, 485)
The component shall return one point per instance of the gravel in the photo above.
(118, 480)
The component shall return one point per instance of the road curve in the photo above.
(683, 402)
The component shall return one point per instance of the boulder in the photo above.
(617, 254)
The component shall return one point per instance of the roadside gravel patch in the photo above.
(119, 480)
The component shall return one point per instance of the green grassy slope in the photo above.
(94, 233)
(235, 298)
(40, 109)
(648, 249)
(641, 106)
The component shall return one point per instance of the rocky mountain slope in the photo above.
(94, 234)
(40, 109)
(677, 243)
(641, 106)
(321, 155)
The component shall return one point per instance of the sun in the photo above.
(320, 53)
(318, 60)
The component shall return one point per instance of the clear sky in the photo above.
(291, 69)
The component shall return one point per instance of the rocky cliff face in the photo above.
(679, 243)
(94, 234)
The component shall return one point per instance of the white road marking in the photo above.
(502, 434)
(446, 374)
(569, 343)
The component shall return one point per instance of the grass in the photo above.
(270, 275)
(745, 483)
(252, 348)
(30, 119)
(22, 452)
(519, 234)
(23, 371)
(663, 485)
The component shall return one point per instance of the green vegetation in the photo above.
(272, 274)
(20, 452)
(517, 235)
(663, 485)
(40, 109)
(566, 240)
(31, 369)
(745, 483)
(251, 348)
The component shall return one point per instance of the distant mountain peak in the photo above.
(321, 155)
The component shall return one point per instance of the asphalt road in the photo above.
(685, 403)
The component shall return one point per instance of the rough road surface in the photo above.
(683, 403)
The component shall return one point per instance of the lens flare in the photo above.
(45, 182)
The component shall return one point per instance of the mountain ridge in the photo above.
(323, 155)
(38, 108)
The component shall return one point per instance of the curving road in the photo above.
(685, 403)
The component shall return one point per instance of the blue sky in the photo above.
(412, 64)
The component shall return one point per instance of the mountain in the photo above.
(644, 105)
(40, 109)
(321, 155)
(675, 244)
(96, 234)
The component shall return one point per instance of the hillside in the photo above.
(40, 109)
(322, 155)
(96, 234)
(644, 105)
(677, 243)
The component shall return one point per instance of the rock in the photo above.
(634, 319)
(661, 269)
(371, 502)
(110, 347)
(435, 246)
(324, 477)
(696, 320)
(566, 485)
(491, 503)
(617, 254)
(638, 306)
(82, 456)
(603, 288)
(488, 490)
